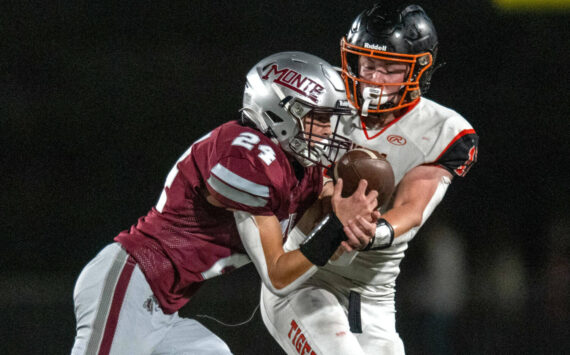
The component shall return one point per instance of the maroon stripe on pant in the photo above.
(117, 302)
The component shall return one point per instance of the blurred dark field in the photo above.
(98, 100)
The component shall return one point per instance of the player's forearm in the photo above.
(403, 218)
(419, 192)
(287, 268)
(280, 272)
(408, 215)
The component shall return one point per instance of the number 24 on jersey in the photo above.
(250, 141)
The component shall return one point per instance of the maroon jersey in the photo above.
(184, 239)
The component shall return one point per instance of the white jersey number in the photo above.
(249, 141)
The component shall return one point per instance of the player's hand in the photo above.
(360, 232)
(357, 204)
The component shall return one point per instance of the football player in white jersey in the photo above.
(347, 307)
(230, 198)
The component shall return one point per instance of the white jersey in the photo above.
(428, 133)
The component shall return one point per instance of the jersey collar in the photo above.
(403, 112)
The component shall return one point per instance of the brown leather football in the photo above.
(361, 163)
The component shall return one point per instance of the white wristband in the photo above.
(383, 237)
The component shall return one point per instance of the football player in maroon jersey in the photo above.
(231, 198)
(388, 57)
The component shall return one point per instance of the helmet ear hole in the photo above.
(274, 117)
(276, 120)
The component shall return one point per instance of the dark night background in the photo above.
(99, 98)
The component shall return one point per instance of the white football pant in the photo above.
(313, 320)
(117, 313)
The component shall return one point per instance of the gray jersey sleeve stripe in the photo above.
(238, 182)
(235, 195)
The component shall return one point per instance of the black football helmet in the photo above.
(394, 34)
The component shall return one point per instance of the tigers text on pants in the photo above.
(313, 320)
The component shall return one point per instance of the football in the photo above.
(362, 163)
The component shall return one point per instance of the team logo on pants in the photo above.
(151, 304)
(299, 341)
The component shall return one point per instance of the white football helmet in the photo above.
(286, 94)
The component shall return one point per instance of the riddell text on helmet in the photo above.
(375, 46)
(296, 82)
